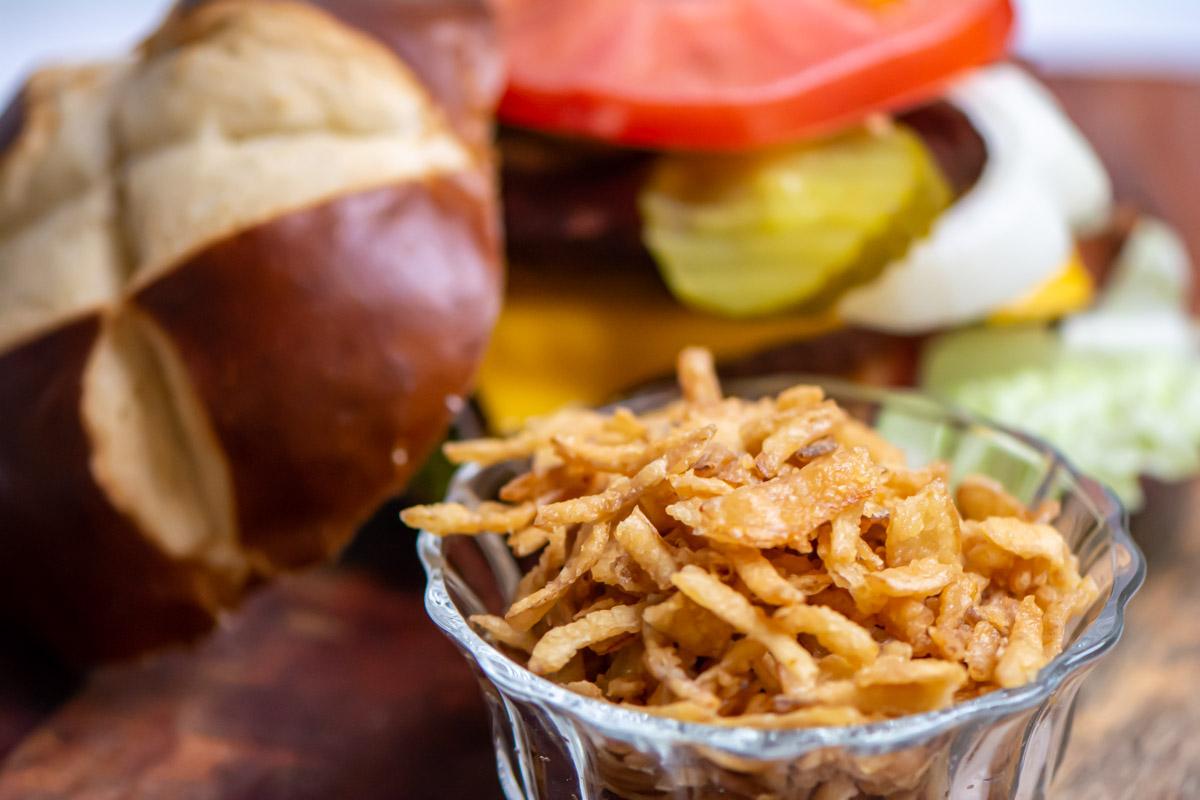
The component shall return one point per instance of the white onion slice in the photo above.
(1011, 231)
(1069, 167)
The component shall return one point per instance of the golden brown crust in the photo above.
(329, 366)
(245, 281)
(72, 568)
(53, 142)
(449, 44)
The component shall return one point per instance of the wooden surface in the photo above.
(1137, 729)
(1137, 733)
(1146, 133)
(335, 685)
(332, 685)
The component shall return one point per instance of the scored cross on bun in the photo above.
(246, 277)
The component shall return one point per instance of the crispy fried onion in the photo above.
(771, 563)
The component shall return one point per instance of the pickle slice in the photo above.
(790, 228)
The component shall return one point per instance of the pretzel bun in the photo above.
(246, 277)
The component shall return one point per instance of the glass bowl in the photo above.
(553, 743)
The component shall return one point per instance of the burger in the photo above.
(856, 187)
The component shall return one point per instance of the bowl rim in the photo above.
(623, 722)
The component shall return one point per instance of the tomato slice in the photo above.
(733, 74)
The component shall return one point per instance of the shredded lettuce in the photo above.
(1116, 389)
